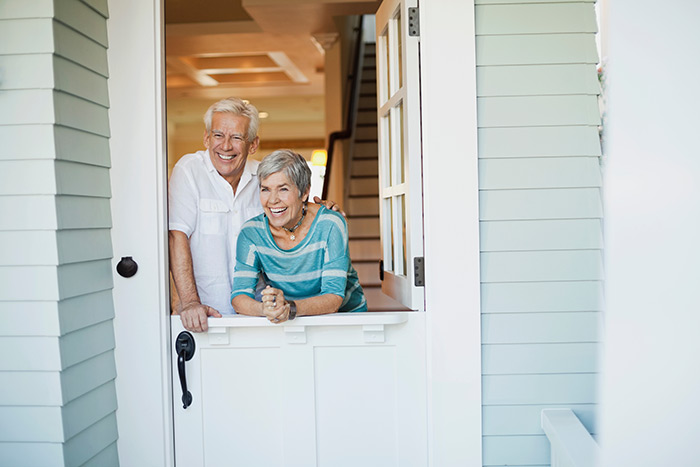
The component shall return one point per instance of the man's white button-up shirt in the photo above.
(203, 206)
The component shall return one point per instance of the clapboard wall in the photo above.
(540, 220)
(57, 394)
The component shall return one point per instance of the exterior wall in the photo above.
(650, 405)
(58, 393)
(540, 220)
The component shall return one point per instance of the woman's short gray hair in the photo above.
(235, 106)
(291, 164)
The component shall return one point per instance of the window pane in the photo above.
(386, 73)
(385, 151)
(399, 51)
(400, 162)
(389, 253)
(401, 268)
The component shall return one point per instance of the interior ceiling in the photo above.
(267, 51)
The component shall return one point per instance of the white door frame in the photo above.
(142, 328)
(452, 277)
(139, 229)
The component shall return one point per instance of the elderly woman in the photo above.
(300, 249)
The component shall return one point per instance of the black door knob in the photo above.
(127, 267)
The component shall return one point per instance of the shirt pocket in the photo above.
(213, 215)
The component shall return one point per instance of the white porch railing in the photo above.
(572, 445)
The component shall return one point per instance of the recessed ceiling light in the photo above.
(263, 114)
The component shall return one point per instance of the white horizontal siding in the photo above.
(87, 375)
(531, 235)
(549, 172)
(32, 353)
(29, 107)
(44, 252)
(87, 410)
(26, 36)
(50, 318)
(13, 180)
(538, 111)
(558, 141)
(534, 19)
(527, 297)
(31, 388)
(496, 2)
(80, 114)
(31, 424)
(108, 457)
(537, 80)
(545, 49)
(19, 9)
(81, 146)
(82, 180)
(31, 454)
(82, 18)
(539, 358)
(44, 320)
(538, 266)
(99, 6)
(20, 283)
(14, 142)
(84, 245)
(57, 392)
(80, 81)
(574, 203)
(540, 328)
(79, 212)
(89, 443)
(514, 451)
(539, 389)
(85, 343)
(511, 420)
(26, 71)
(85, 310)
(84, 278)
(80, 49)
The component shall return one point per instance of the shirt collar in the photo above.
(249, 171)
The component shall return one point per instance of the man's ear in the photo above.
(254, 145)
(206, 139)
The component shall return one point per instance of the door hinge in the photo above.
(419, 271)
(413, 22)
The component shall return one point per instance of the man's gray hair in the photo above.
(293, 165)
(235, 106)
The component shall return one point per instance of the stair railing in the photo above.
(351, 101)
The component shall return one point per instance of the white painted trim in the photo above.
(450, 179)
(138, 178)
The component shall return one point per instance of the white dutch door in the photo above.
(400, 174)
(336, 390)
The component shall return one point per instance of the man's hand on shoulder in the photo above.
(194, 316)
(329, 204)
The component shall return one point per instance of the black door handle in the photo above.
(184, 346)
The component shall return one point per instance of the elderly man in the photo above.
(211, 194)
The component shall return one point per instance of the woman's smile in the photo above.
(281, 201)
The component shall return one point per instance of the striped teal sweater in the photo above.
(319, 265)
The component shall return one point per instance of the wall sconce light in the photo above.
(319, 157)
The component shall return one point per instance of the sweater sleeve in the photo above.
(248, 267)
(337, 257)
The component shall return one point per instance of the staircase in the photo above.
(362, 199)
